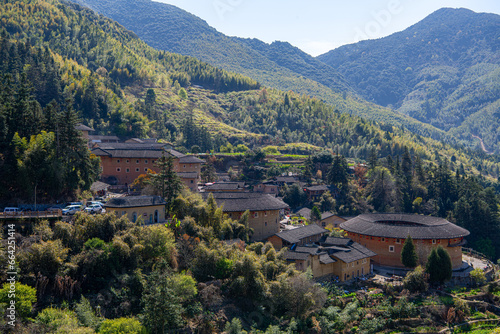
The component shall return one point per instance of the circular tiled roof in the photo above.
(396, 225)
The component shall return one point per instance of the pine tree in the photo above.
(166, 182)
(315, 214)
(439, 266)
(409, 257)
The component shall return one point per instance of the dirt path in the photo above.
(482, 145)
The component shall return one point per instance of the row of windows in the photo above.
(398, 241)
(136, 161)
(127, 170)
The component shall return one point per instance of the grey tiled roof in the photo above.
(241, 201)
(174, 153)
(335, 241)
(320, 187)
(305, 212)
(296, 256)
(328, 214)
(297, 234)
(350, 251)
(356, 252)
(326, 259)
(225, 186)
(310, 250)
(189, 159)
(134, 201)
(104, 138)
(132, 154)
(391, 225)
(83, 127)
(134, 150)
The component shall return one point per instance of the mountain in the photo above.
(444, 70)
(278, 65)
(120, 85)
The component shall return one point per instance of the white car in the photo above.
(71, 209)
(94, 208)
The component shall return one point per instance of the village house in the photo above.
(298, 236)
(340, 258)
(225, 187)
(122, 163)
(385, 234)
(150, 208)
(315, 192)
(265, 210)
(85, 130)
(269, 187)
(330, 220)
(95, 139)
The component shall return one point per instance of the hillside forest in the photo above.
(62, 64)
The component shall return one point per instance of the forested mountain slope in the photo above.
(119, 85)
(278, 65)
(444, 70)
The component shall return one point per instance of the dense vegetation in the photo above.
(106, 71)
(278, 65)
(443, 71)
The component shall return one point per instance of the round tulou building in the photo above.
(385, 235)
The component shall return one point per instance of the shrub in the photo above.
(415, 281)
(25, 297)
(122, 326)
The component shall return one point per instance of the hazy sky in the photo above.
(317, 26)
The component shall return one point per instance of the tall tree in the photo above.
(439, 266)
(409, 257)
(166, 182)
(315, 214)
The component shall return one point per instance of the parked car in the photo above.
(54, 209)
(11, 210)
(94, 208)
(94, 202)
(71, 209)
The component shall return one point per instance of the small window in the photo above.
(117, 161)
(323, 224)
(153, 162)
(364, 261)
(118, 169)
(433, 241)
(145, 169)
(128, 160)
(145, 161)
(183, 166)
(383, 239)
(192, 181)
(265, 224)
(137, 169)
(195, 166)
(398, 241)
(255, 214)
(352, 265)
(391, 249)
(128, 170)
(265, 213)
(137, 161)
